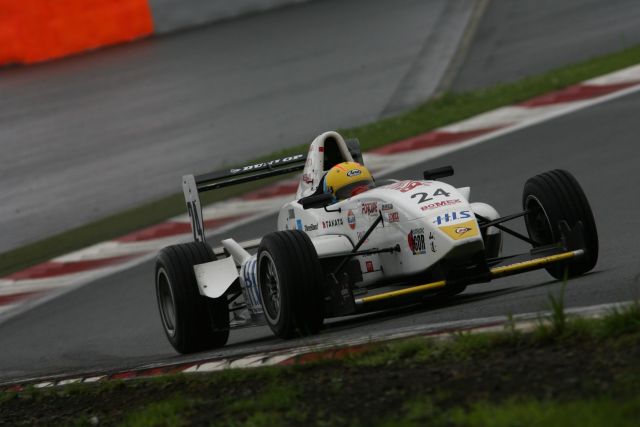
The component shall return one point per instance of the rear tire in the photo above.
(553, 197)
(290, 280)
(192, 322)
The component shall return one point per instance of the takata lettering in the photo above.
(370, 208)
(269, 163)
(451, 216)
(354, 172)
(331, 223)
(436, 205)
(311, 227)
(351, 219)
(416, 241)
(404, 186)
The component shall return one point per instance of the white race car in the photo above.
(396, 242)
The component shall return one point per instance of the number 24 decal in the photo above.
(424, 197)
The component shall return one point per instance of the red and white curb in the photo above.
(318, 348)
(24, 289)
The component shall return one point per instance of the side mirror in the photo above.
(316, 200)
(436, 173)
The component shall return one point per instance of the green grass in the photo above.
(449, 108)
(335, 392)
(170, 412)
(463, 346)
(604, 411)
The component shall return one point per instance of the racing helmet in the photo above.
(347, 179)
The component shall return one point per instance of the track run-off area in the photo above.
(107, 321)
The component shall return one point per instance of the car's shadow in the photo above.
(428, 304)
(434, 304)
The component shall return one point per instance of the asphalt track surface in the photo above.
(113, 322)
(93, 135)
(520, 38)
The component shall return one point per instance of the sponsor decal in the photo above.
(386, 206)
(393, 216)
(307, 178)
(416, 241)
(369, 208)
(292, 214)
(432, 242)
(404, 186)
(451, 216)
(436, 205)
(351, 219)
(249, 275)
(354, 172)
(332, 223)
(269, 163)
(369, 265)
(461, 231)
(299, 224)
(311, 227)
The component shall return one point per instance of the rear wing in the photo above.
(192, 185)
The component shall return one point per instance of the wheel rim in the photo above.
(166, 302)
(538, 224)
(270, 288)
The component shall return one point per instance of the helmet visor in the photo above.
(345, 192)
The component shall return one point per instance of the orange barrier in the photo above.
(38, 30)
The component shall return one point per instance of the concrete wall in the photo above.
(43, 30)
(172, 15)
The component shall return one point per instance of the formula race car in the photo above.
(389, 242)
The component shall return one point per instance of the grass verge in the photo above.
(586, 374)
(449, 108)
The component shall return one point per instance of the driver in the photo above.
(347, 179)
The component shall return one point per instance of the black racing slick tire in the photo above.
(550, 198)
(290, 281)
(191, 322)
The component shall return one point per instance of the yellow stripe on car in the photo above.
(495, 273)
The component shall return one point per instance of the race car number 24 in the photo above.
(424, 197)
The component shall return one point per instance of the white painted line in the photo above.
(623, 76)
(209, 366)
(46, 384)
(94, 379)
(69, 381)
(566, 109)
(247, 362)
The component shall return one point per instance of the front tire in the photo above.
(290, 280)
(553, 197)
(191, 322)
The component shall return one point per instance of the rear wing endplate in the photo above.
(192, 185)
